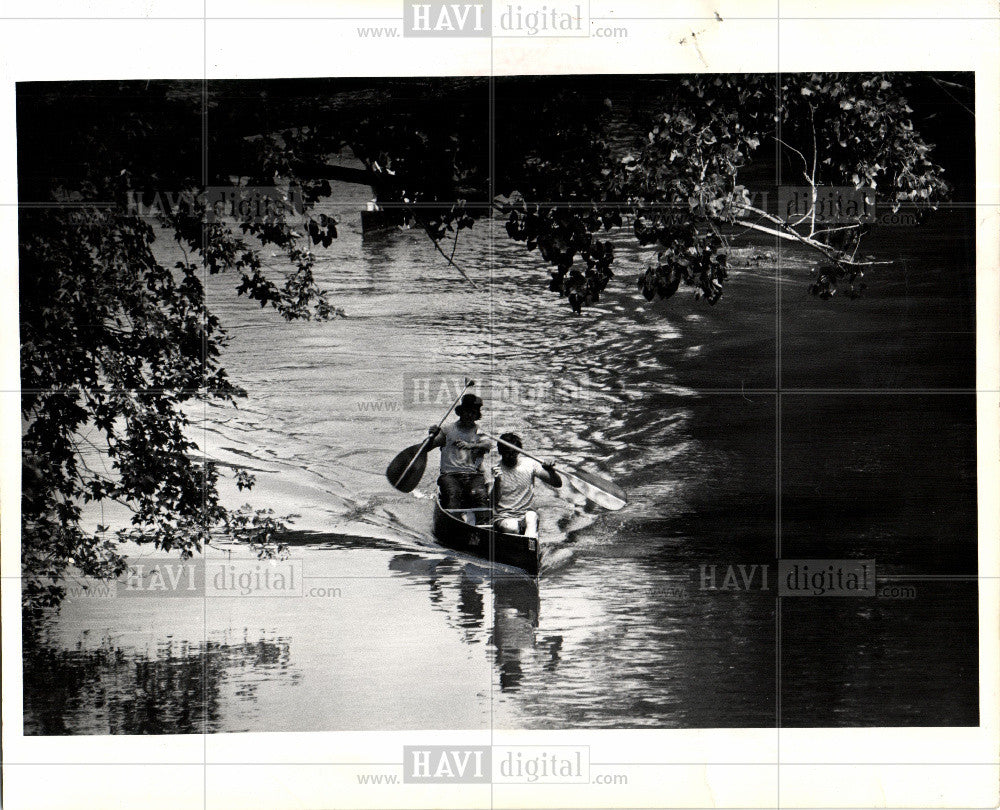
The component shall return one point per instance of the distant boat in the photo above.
(484, 541)
(346, 168)
(376, 221)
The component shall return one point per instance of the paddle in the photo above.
(592, 487)
(407, 468)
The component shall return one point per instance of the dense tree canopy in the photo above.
(116, 346)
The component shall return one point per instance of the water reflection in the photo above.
(515, 620)
(503, 605)
(177, 687)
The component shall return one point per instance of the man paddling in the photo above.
(514, 488)
(462, 450)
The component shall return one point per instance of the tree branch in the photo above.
(805, 163)
(789, 233)
(451, 261)
(812, 181)
(437, 247)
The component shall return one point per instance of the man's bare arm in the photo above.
(550, 476)
(438, 440)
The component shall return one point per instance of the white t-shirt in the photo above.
(515, 487)
(460, 459)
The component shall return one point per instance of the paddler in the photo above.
(462, 451)
(514, 488)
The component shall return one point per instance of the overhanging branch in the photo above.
(785, 231)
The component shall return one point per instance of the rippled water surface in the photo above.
(869, 453)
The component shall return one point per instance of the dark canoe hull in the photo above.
(377, 223)
(485, 542)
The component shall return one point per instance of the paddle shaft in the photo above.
(416, 455)
(498, 440)
(611, 495)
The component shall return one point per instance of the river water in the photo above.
(868, 452)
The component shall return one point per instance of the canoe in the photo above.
(484, 541)
(380, 222)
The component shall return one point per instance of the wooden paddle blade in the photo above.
(594, 488)
(399, 464)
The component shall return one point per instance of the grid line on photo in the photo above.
(699, 391)
(204, 370)
(625, 763)
(888, 577)
(491, 263)
(615, 18)
(486, 205)
(777, 408)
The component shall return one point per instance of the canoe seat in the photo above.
(483, 517)
(481, 514)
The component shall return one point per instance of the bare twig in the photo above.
(812, 181)
(453, 264)
(942, 84)
(805, 163)
(785, 231)
(834, 230)
(437, 247)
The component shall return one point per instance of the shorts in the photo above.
(462, 490)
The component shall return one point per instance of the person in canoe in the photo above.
(514, 488)
(461, 481)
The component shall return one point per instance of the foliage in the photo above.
(555, 189)
(259, 529)
(862, 134)
(683, 183)
(115, 346)
(848, 130)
